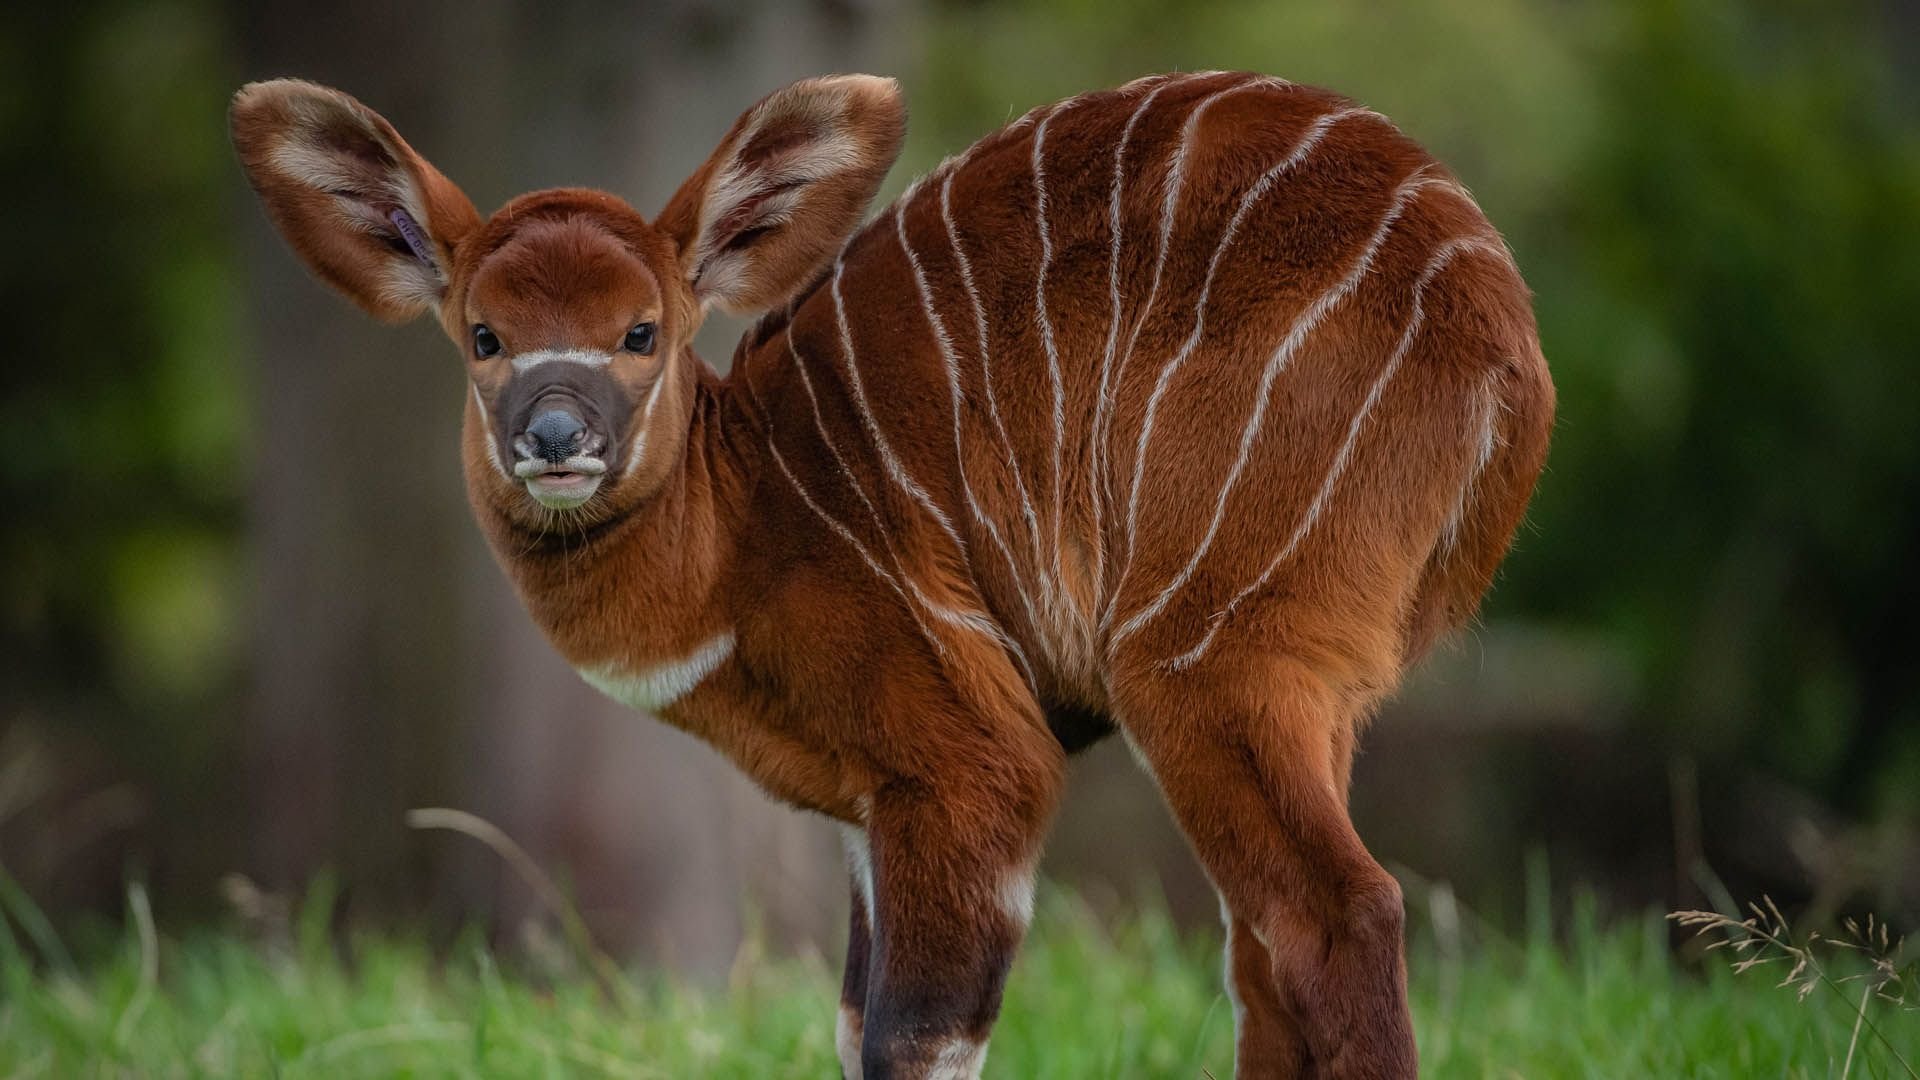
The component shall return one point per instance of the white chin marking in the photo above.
(562, 496)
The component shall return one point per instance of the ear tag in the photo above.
(410, 232)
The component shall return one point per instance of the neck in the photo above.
(648, 585)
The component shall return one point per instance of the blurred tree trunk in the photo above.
(362, 554)
(394, 667)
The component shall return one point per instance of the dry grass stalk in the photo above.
(1766, 937)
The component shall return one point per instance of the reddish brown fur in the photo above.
(909, 602)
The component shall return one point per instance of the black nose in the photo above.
(556, 434)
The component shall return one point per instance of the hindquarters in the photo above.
(1356, 506)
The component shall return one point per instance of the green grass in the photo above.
(1087, 999)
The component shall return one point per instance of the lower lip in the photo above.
(568, 488)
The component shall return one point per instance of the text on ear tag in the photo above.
(410, 232)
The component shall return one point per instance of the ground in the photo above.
(1090, 997)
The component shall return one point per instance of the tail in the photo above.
(1516, 422)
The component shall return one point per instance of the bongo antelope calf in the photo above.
(1195, 409)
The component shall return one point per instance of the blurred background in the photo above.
(237, 634)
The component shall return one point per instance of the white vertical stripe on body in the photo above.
(901, 577)
(952, 362)
(1437, 262)
(1309, 139)
(1048, 345)
(1175, 182)
(986, 367)
(1486, 440)
(1103, 401)
(860, 549)
(888, 458)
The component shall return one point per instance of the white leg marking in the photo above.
(986, 365)
(892, 462)
(586, 357)
(860, 866)
(654, 688)
(952, 361)
(1233, 989)
(486, 432)
(846, 1042)
(1047, 342)
(1309, 139)
(847, 1027)
(958, 1059)
(1016, 895)
(1435, 264)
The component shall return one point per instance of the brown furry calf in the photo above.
(1197, 409)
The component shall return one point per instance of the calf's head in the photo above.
(574, 314)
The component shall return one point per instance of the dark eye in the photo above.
(639, 339)
(485, 343)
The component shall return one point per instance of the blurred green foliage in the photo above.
(126, 478)
(1718, 205)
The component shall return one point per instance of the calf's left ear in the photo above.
(784, 189)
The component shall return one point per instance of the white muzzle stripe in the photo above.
(586, 357)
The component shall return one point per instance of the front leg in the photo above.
(850, 1024)
(952, 894)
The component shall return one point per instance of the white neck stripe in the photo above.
(654, 688)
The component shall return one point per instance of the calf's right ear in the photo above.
(366, 213)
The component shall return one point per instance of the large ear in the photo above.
(368, 215)
(784, 189)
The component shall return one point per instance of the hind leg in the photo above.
(1268, 1040)
(1247, 763)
